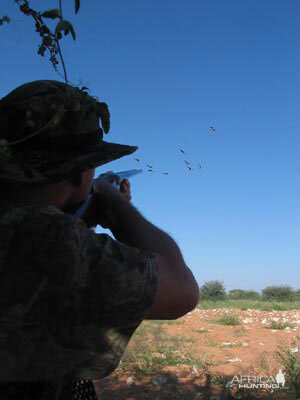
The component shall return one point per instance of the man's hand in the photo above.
(98, 212)
(125, 189)
(124, 186)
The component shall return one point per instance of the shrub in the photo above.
(291, 363)
(212, 290)
(226, 319)
(236, 294)
(239, 294)
(252, 295)
(279, 293)
(279, 325)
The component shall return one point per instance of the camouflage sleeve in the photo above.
(120, 278)
(83, 296)
(116, 285)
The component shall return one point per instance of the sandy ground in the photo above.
(247, 349)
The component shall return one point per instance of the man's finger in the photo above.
(125, 185)
(118, 180)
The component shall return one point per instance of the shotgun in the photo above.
(113, 179)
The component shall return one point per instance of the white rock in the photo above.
(262, 344)
(195, 370)
(227, 343)
(245, 344)
(236, 359)
(130, 381)
(294, 349)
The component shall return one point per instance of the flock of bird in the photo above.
(150, 167)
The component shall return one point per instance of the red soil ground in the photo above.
(247, 349)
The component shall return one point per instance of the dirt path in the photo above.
(195, 357)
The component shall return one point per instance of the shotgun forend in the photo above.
(111, 177)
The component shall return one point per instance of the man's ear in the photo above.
(77, 179)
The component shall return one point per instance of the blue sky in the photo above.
(168, 71)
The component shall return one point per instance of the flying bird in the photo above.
(186, 162)
(182, 151)
(150, 170)
(213, 129)
(149, 166)
(200, 166)
(137, 159)
(191, 169)
(166, 173)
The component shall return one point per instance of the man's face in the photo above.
(81, 193)
(88, 179)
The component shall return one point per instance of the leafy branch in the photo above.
(4, 19)
(72, 100)
(50, 40)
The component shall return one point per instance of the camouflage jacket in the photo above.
(70, 299)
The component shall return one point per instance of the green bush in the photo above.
(278, 293)
(226, 319)
(212, 290)
(279, 325)
(249, 304)
(236, 294)
(297, 295)
(291, 363)
(239, 294)
(252, 295)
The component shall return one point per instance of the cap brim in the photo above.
(60, 167)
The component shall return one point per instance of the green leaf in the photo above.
(77, 6)
(47, 41)
(65, 26)
(42, 50)
(54, 13)
(103, 112)
(5, 19)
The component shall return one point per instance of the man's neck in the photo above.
(36, 197)
(57, 194)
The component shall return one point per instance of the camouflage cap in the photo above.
(50, 131)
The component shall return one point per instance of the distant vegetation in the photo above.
(239, 294)
(213, 290)
(271, 298)
(279, 293)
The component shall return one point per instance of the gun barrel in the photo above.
(111, 177)
(129, 173)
